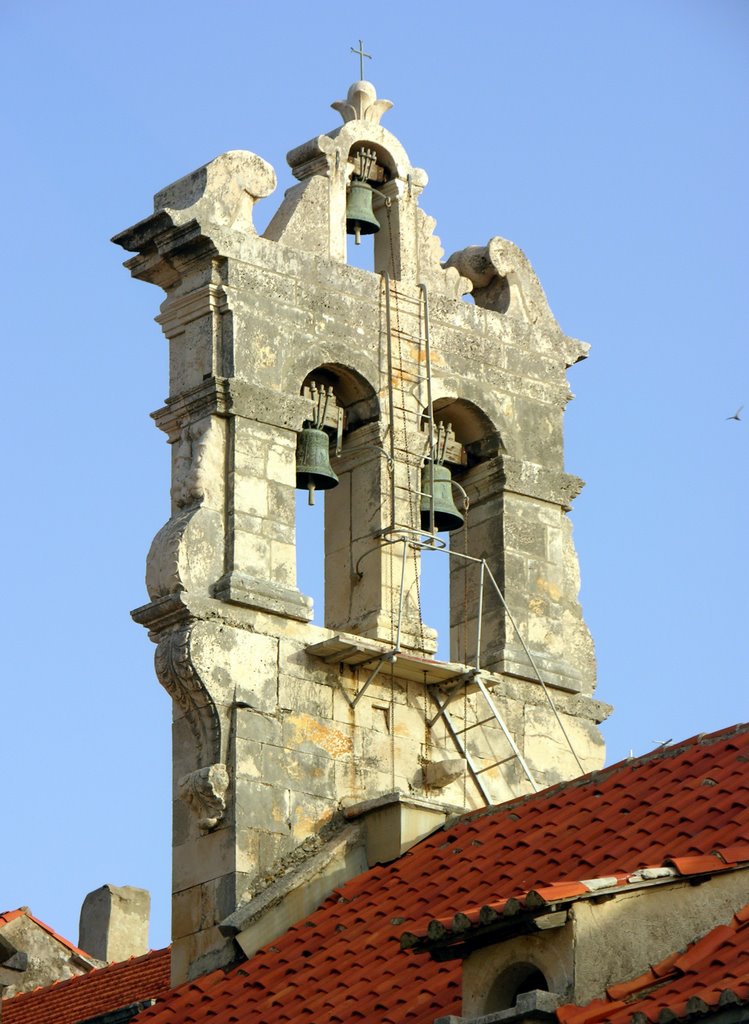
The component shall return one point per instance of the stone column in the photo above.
(518, 523)
(260, 553)
(363, 567)
(481, 538)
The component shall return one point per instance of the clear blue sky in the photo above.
(608, 140)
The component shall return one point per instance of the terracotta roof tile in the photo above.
(103, 989)
(712, 972)
(610, 823)
(695, 865)
(736, 854)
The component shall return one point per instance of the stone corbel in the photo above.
(204, 791)
(178, 675)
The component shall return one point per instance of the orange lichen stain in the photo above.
(537, 606)
(418, 354)
(404, 728)
(312, 730)
(547, 587)
(304, 824)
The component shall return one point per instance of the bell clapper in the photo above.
(357, 235)
(311, 493)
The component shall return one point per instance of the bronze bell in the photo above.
(360, 218)
(446, 515)
(313, 471)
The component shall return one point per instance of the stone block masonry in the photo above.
(270, 739)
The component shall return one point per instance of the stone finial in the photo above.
(361, 104)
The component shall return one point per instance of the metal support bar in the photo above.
(430, 408)
(480, 616)
(461, 747)
(402, 593)
(389, 656)
(416, 542)
(389, 333)
(532, 660)
(503, 727)
(440, 709)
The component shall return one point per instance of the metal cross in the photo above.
(362, 55)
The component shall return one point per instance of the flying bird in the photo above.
(736, 415)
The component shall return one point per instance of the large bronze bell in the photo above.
(313, 470)
(360, 218)
(446, 515)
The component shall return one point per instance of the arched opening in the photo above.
(513, 982)
(368, 220)
(341, 402)
(468, 440)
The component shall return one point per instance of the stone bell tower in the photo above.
(284, 731)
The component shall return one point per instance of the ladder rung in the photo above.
(483, 721)
(496, 764)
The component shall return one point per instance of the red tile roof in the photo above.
(343, 963)
(454, 930)
(712, 972)
(10, 915)
(101, 990)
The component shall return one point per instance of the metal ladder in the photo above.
(457, 734)
(410, 538)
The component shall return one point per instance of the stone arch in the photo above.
(476, 466)
(474, 429)
(352, 384)
(353, 392)
(396, 193)
(357, 470)
(512, 982)
(495, 976)
(364, 133)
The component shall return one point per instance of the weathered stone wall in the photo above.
(41, 959)
(266, 745)
(605, 941)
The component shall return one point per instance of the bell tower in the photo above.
(422, 401)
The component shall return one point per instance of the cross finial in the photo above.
(362, 55)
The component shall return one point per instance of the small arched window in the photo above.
(512, 982)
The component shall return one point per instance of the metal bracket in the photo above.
(390, 657)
